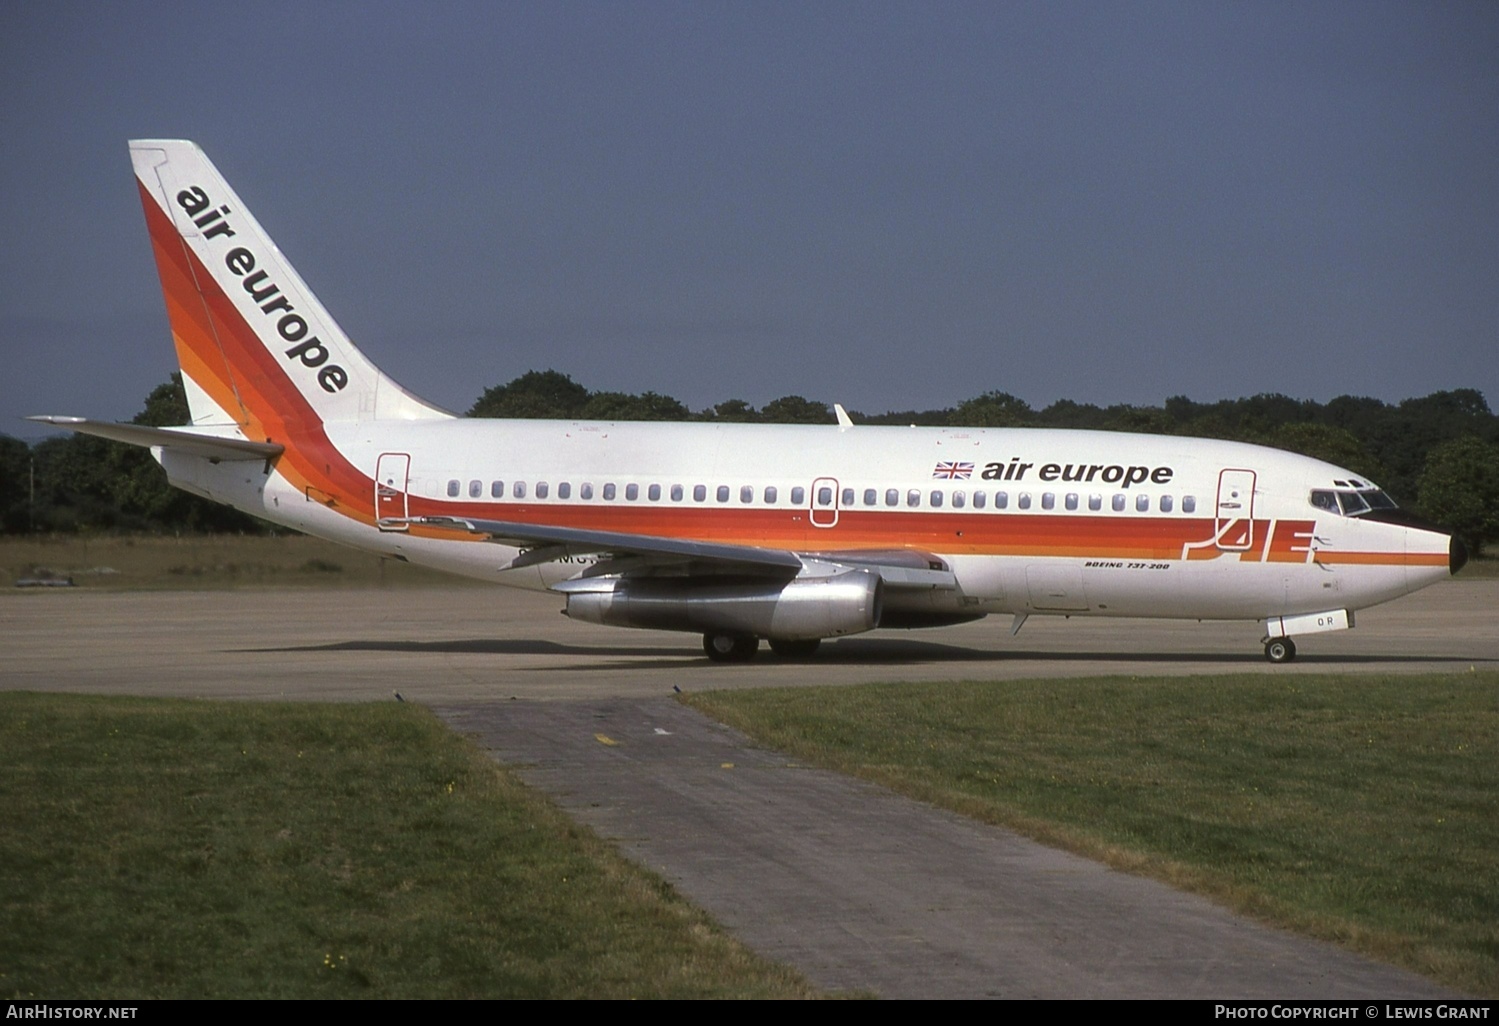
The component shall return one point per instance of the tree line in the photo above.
(1438, 454)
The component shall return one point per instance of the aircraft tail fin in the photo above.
(256, 348)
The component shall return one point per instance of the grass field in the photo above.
(167, 848)
(123, 562)
(1363, 810)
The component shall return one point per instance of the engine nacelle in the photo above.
(798, 610)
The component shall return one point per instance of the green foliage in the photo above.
(1324, 442)
(537, 395)
(733, 411)
(166, 406)
(84, 483)
(551, 395)
(1460, 489)
(623, 406)
(905, 418)
(15, 485)
(993, 409)
(793, 409)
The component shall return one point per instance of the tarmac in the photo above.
(858, 888)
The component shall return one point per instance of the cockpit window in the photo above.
(1351, 503)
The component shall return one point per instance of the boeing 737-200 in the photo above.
(738, 532)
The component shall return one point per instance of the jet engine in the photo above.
(806, 608)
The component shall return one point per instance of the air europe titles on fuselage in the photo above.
(1084, 473)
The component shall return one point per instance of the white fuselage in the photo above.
(1029, 520)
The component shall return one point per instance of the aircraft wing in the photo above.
(650, 554)
(194, 443)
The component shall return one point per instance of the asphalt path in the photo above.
(473, 644)
(857, 887)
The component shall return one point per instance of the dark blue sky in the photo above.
(891, 205)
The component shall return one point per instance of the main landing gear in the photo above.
(727, 647)
(1280, 650)
(723, 647)
(801, 649)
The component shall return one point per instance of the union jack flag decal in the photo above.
(953, 471)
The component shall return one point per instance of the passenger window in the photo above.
(848, 496)
(676, 493)
(585, 490)
(871, 497)
(1025, 500)
(1118, 502)
(1095, 502)
(564, 490)
(632, 491)
(542, 489)
(936, 499)
(958, 500)
(1166, 504)
(892, 496)
(475, 489)
(453, 489)
(722, 495)
(770, 495)
(518, 489)
(699, 493)
(746, 493)
(1001, 500)
(497, 489)
(978, 500)
(913, 497)
(1142, 504)
(1189, 504)
(798, 496)
(653, 493)
(1071, 501)
(824, 496)
(609, 492)
(1048, 500)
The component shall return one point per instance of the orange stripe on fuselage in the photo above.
(1383, 558)
(949, 533)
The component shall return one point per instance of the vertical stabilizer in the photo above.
(255, 346)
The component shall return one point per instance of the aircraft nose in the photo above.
(1457, 554)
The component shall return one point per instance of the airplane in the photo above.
(737, 532)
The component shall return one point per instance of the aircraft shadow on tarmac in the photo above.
(845, 652)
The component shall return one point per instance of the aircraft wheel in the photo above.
(1280, 650)
(723, 647)
(789, 649)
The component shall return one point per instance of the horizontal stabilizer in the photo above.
(184, 440)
